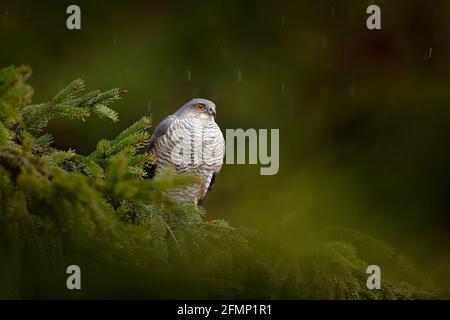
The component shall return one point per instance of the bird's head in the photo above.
(198, 108)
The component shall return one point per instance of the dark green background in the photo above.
(363, 115)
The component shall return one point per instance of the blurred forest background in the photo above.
(363, 115)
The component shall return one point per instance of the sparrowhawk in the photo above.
(191, 141)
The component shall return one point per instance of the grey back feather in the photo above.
(160, 130)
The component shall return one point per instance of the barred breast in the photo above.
(194, 147)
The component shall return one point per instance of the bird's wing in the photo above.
(160, 131)
(209, 186)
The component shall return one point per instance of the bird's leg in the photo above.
(197, 208)
(213, 221)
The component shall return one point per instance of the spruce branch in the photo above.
(44, 141)
(66, 105)
(143, 124)
(69, 92)
(103, 111)
(125, 145)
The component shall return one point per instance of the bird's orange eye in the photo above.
(199, 106)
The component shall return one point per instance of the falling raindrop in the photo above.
(352, 90)
(325, 42)
(149, 106)
(319, 114)
(282, 88)
(428, 53)
(189, 75)
(28, 12)
(282, 22)
(5, 18)
(239, 75)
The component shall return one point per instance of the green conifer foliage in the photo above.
(59, 208)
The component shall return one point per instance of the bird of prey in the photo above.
(190, 141)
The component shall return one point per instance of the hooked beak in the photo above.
(212, 111)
